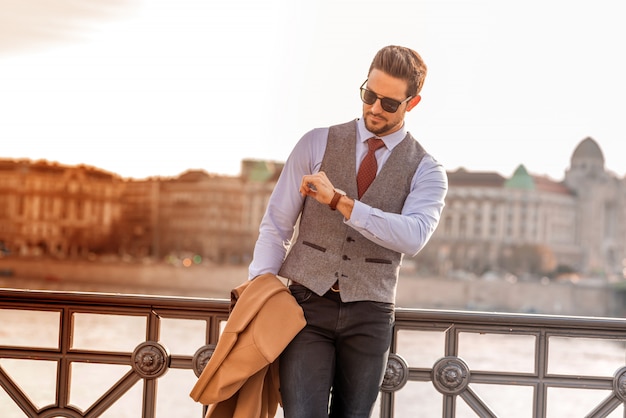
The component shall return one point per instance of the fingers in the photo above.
(307, 188)
(318, 186)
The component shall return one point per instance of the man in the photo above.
(343, 261)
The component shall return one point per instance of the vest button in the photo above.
(350, 239)
(345, 257)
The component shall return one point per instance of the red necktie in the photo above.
(368, 168)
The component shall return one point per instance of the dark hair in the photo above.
(403, 63)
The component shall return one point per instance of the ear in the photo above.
(413, 102)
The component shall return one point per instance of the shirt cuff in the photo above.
(360, 214)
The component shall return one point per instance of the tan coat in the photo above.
(241, 378)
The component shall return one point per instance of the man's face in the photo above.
(377, 120)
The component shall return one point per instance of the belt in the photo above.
(334, 287)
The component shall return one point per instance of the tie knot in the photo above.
(374, 143)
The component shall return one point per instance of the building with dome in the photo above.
(532, 225)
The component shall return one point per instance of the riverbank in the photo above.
(151, 278)
(585, 298)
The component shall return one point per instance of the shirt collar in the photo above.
(390, 140)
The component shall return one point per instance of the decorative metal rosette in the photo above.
(151, 360)
(450, 375)
(619, 384)
(202, 357)
(396, 374)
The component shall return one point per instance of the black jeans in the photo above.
(334, 367)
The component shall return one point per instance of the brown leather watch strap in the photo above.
(335, 199)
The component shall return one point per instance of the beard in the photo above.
(376, 128)
(384, 127)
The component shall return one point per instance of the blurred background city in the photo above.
(523, 243)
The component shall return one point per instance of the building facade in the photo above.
(525, 224)
(48, 209)
(531, 224)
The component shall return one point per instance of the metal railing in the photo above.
(442, 363)
(553, 360)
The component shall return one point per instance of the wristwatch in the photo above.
(335, 199)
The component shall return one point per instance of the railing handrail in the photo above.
(519, 319)
(101, 298)
(402, 314)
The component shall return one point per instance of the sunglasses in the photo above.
(389, 105)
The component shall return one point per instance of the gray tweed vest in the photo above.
(326, 250)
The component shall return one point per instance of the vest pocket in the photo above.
(377, 260)
(317, 247)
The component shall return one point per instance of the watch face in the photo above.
(341, 192)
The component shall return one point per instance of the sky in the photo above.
(158, 87)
